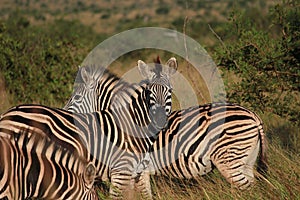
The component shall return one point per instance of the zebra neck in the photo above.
(131, 102)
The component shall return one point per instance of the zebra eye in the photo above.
(77, 97)
(167, 109)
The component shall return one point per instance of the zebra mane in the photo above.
(158, 67)
(159, 70)
(93, 77)
(126, 95)
(93, 74)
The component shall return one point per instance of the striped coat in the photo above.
(110, 145)
(196, 139)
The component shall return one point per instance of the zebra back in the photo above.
(94, 88)
(85, 137)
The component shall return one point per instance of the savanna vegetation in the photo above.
(255, 44)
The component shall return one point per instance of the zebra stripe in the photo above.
(224, 135)
(93, 82)
(114, 140)
(23, 155)
(98, 87)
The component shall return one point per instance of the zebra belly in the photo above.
(183, 167)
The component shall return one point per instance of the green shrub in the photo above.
(264, 64)
(163, 10)
(39, 63)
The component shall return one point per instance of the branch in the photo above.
(184, 38)
(223, 44)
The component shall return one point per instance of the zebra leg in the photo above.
(237, 167)
(142, 185)
(121, 185)
(141, 177)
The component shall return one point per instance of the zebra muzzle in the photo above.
(158, 117)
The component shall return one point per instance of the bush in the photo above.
(164, 10)
(264, 65)
(39, 64)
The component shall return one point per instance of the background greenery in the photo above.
(254, 43)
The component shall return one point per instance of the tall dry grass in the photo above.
(281, 182)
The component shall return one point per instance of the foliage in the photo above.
(39, 63)
(265, 66)
(163, 10)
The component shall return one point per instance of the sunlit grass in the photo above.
(281, 182)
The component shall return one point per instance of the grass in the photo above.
(4, 103)
(281, 182)
(283, 178)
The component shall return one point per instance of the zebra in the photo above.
(222, 135)
(88, 88)
(196, 139)
(114, 140)
(37, 154)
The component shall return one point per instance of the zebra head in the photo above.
(94, 87)
(84, 92)
(158, 89)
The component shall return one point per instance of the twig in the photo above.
(184, 39)
(217, 36)
(186, 19)
(223, 44)
(265, 179)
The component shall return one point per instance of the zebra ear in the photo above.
(84, 75)
(89, 174)
(145, 70)
(172, 66)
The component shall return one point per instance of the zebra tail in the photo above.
(262, 166)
